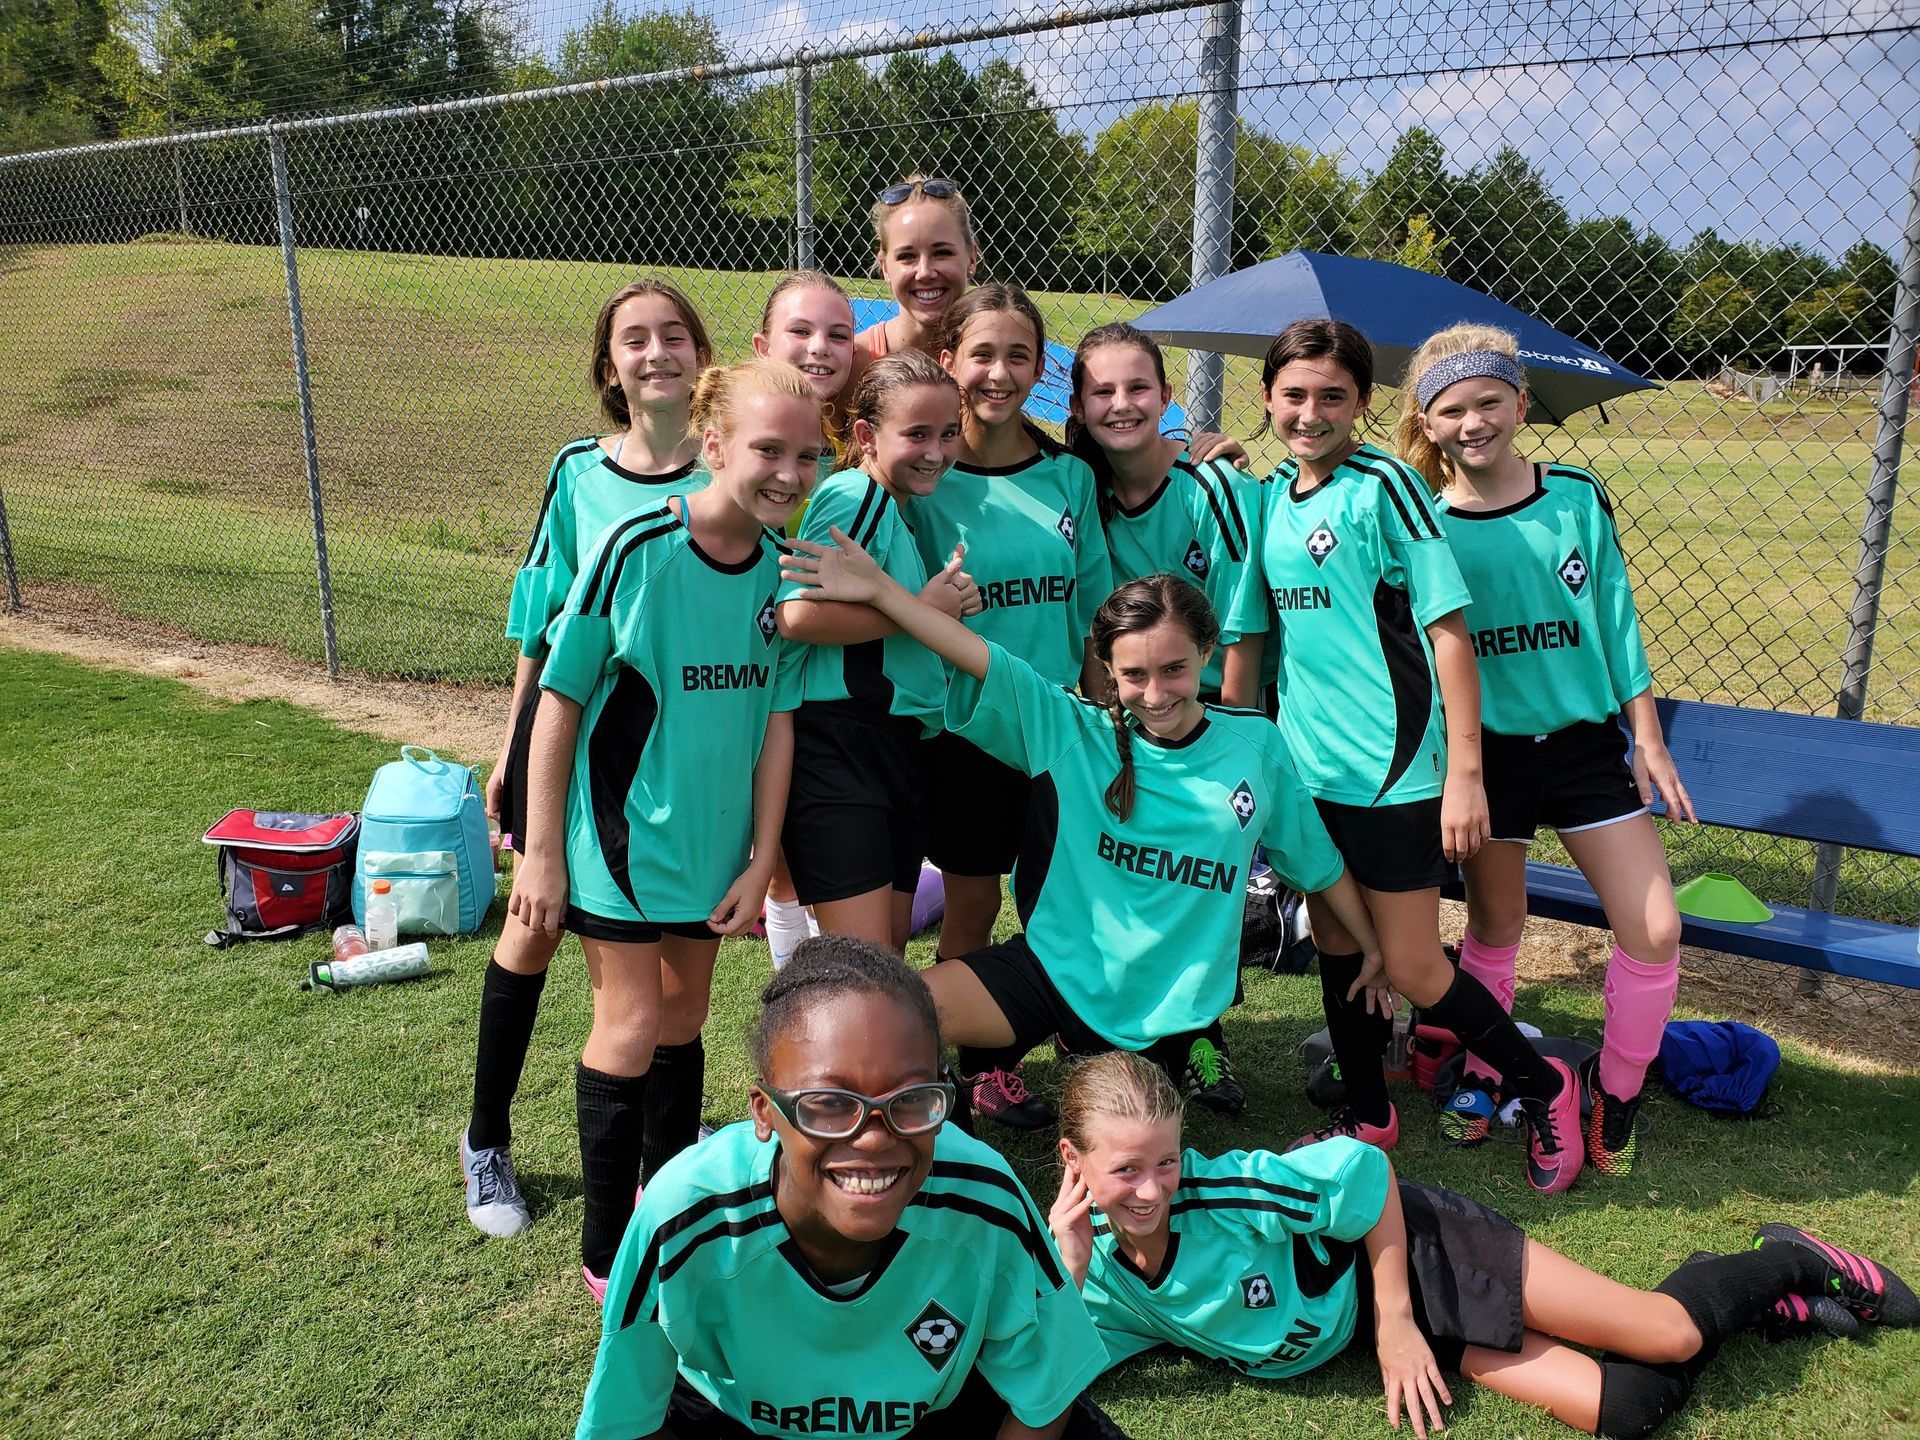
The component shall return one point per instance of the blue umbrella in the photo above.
(1048, 402)
(1396, 308)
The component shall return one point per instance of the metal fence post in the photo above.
(180, 187)
(803, 256)
(6, 556)
(1217, 130)
(283, 194)
(1869, 572)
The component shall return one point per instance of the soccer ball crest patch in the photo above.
(1256, 1292)
(769, 626)
(1320, 544)
(936, 1335)
(1066, 526)
(1242, 802)
(1573, 570)
(1197, 561)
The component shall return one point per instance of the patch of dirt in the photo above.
(1872, 1029)
(464, 722)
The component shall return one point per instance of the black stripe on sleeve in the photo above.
(1248, 1182)
(1273, 1207)
(1226, 513)
(727, 1229)
(621, 543)
(537, 545)
(866, 519)
(679, 1224)
(1030, 1240)
(1415, 513)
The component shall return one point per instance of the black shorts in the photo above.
(513, 784)
(1035, 1011)
(1389, 847)
(975, 1412)
(1464, 1269)
(634, 932)
(1574, 779)
(855, 810)
(976, 808)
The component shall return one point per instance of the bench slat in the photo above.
(1811, 939)
(1811, 777)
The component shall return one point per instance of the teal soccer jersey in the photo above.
(1193, 526)
(1358, 567)
(896, 675)
(1035, 548)
(674, 658)
(1259, 1269)
(1552, 619)
(587, 490)
(1138, 921)
(709, 1283)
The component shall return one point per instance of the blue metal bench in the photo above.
(1809, 777)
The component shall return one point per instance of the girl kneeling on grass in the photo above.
(1146, 810)
(1540, 551)
(846, 1262)
(665, 676)
(856, 827)
(1275, 1263)
(649, 345)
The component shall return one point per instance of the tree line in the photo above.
(702, 172)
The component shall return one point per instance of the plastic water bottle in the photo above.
(383, 917)
(349, 942)
(402, 962)
(1396, 1062)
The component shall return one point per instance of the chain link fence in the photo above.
(1702, 192)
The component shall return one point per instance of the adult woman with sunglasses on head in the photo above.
(926, 252)
(844, 1262)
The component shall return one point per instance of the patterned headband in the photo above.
(1474, 365)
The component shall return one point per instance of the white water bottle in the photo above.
(383, 916)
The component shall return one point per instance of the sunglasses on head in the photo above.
(829, 1114)
(935, 188)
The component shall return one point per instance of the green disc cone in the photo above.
(1721, 897)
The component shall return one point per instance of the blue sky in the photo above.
(1800, 142)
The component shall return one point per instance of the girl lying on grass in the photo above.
(1277, 1263)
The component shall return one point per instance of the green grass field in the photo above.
(231, 1208)
(150, 456)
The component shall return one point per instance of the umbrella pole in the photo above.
(1218, 128)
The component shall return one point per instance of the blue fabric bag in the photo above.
(423, 828)
(1719, 1065)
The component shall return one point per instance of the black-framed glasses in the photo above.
(829, 1114)
(935, 188)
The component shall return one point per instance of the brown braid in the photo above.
(1120, 792)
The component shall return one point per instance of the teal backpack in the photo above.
(423, 828)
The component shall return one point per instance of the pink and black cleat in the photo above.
(1867, 1289)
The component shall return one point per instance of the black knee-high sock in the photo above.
(508, 1005)
(672, 1104)
(1470, 1011)
(1726, 1294)
(610, 1109)
(1636, 1398)
(1359, 1039)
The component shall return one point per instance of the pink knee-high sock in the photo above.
(1493, 967)
(1639, 999)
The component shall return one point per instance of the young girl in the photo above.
(1027, 516)
(1553, 624)
(1274, 1263)
(926, 252)
(660, 760)
(807, 322)
(856, 822)
(846, 1262)
(1164, 511)
(648, 346)
(1380, 703)
(1147, 812)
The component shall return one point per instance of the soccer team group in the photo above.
(802, 621)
